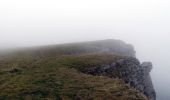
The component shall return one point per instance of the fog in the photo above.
(143, 23)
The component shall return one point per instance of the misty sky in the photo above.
(143, 23)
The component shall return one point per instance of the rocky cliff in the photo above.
(127, 68)
(132, 72)
(106, 70)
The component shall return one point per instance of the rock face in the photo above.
(148, 90)
(132, 72)
(129, 68)
(136, 74)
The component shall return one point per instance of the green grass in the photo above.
(57, 76)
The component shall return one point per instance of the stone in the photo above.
(131, 72)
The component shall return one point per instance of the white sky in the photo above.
(143, 23)
(34, 22)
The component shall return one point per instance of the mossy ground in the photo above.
(32, 76)
(56, 78)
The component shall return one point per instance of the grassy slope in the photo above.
(31, 76)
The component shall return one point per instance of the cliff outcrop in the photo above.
(131, 71)
(107, 70)
(128, 67)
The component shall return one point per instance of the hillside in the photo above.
(77, 71)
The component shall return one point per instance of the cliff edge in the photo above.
(130, 71)
(106, 70)
(128, 68)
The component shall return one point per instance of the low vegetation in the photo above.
(31, 76)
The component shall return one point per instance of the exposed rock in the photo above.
(147, 66)
(148, 90)
(128, 68)
(132, 72)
